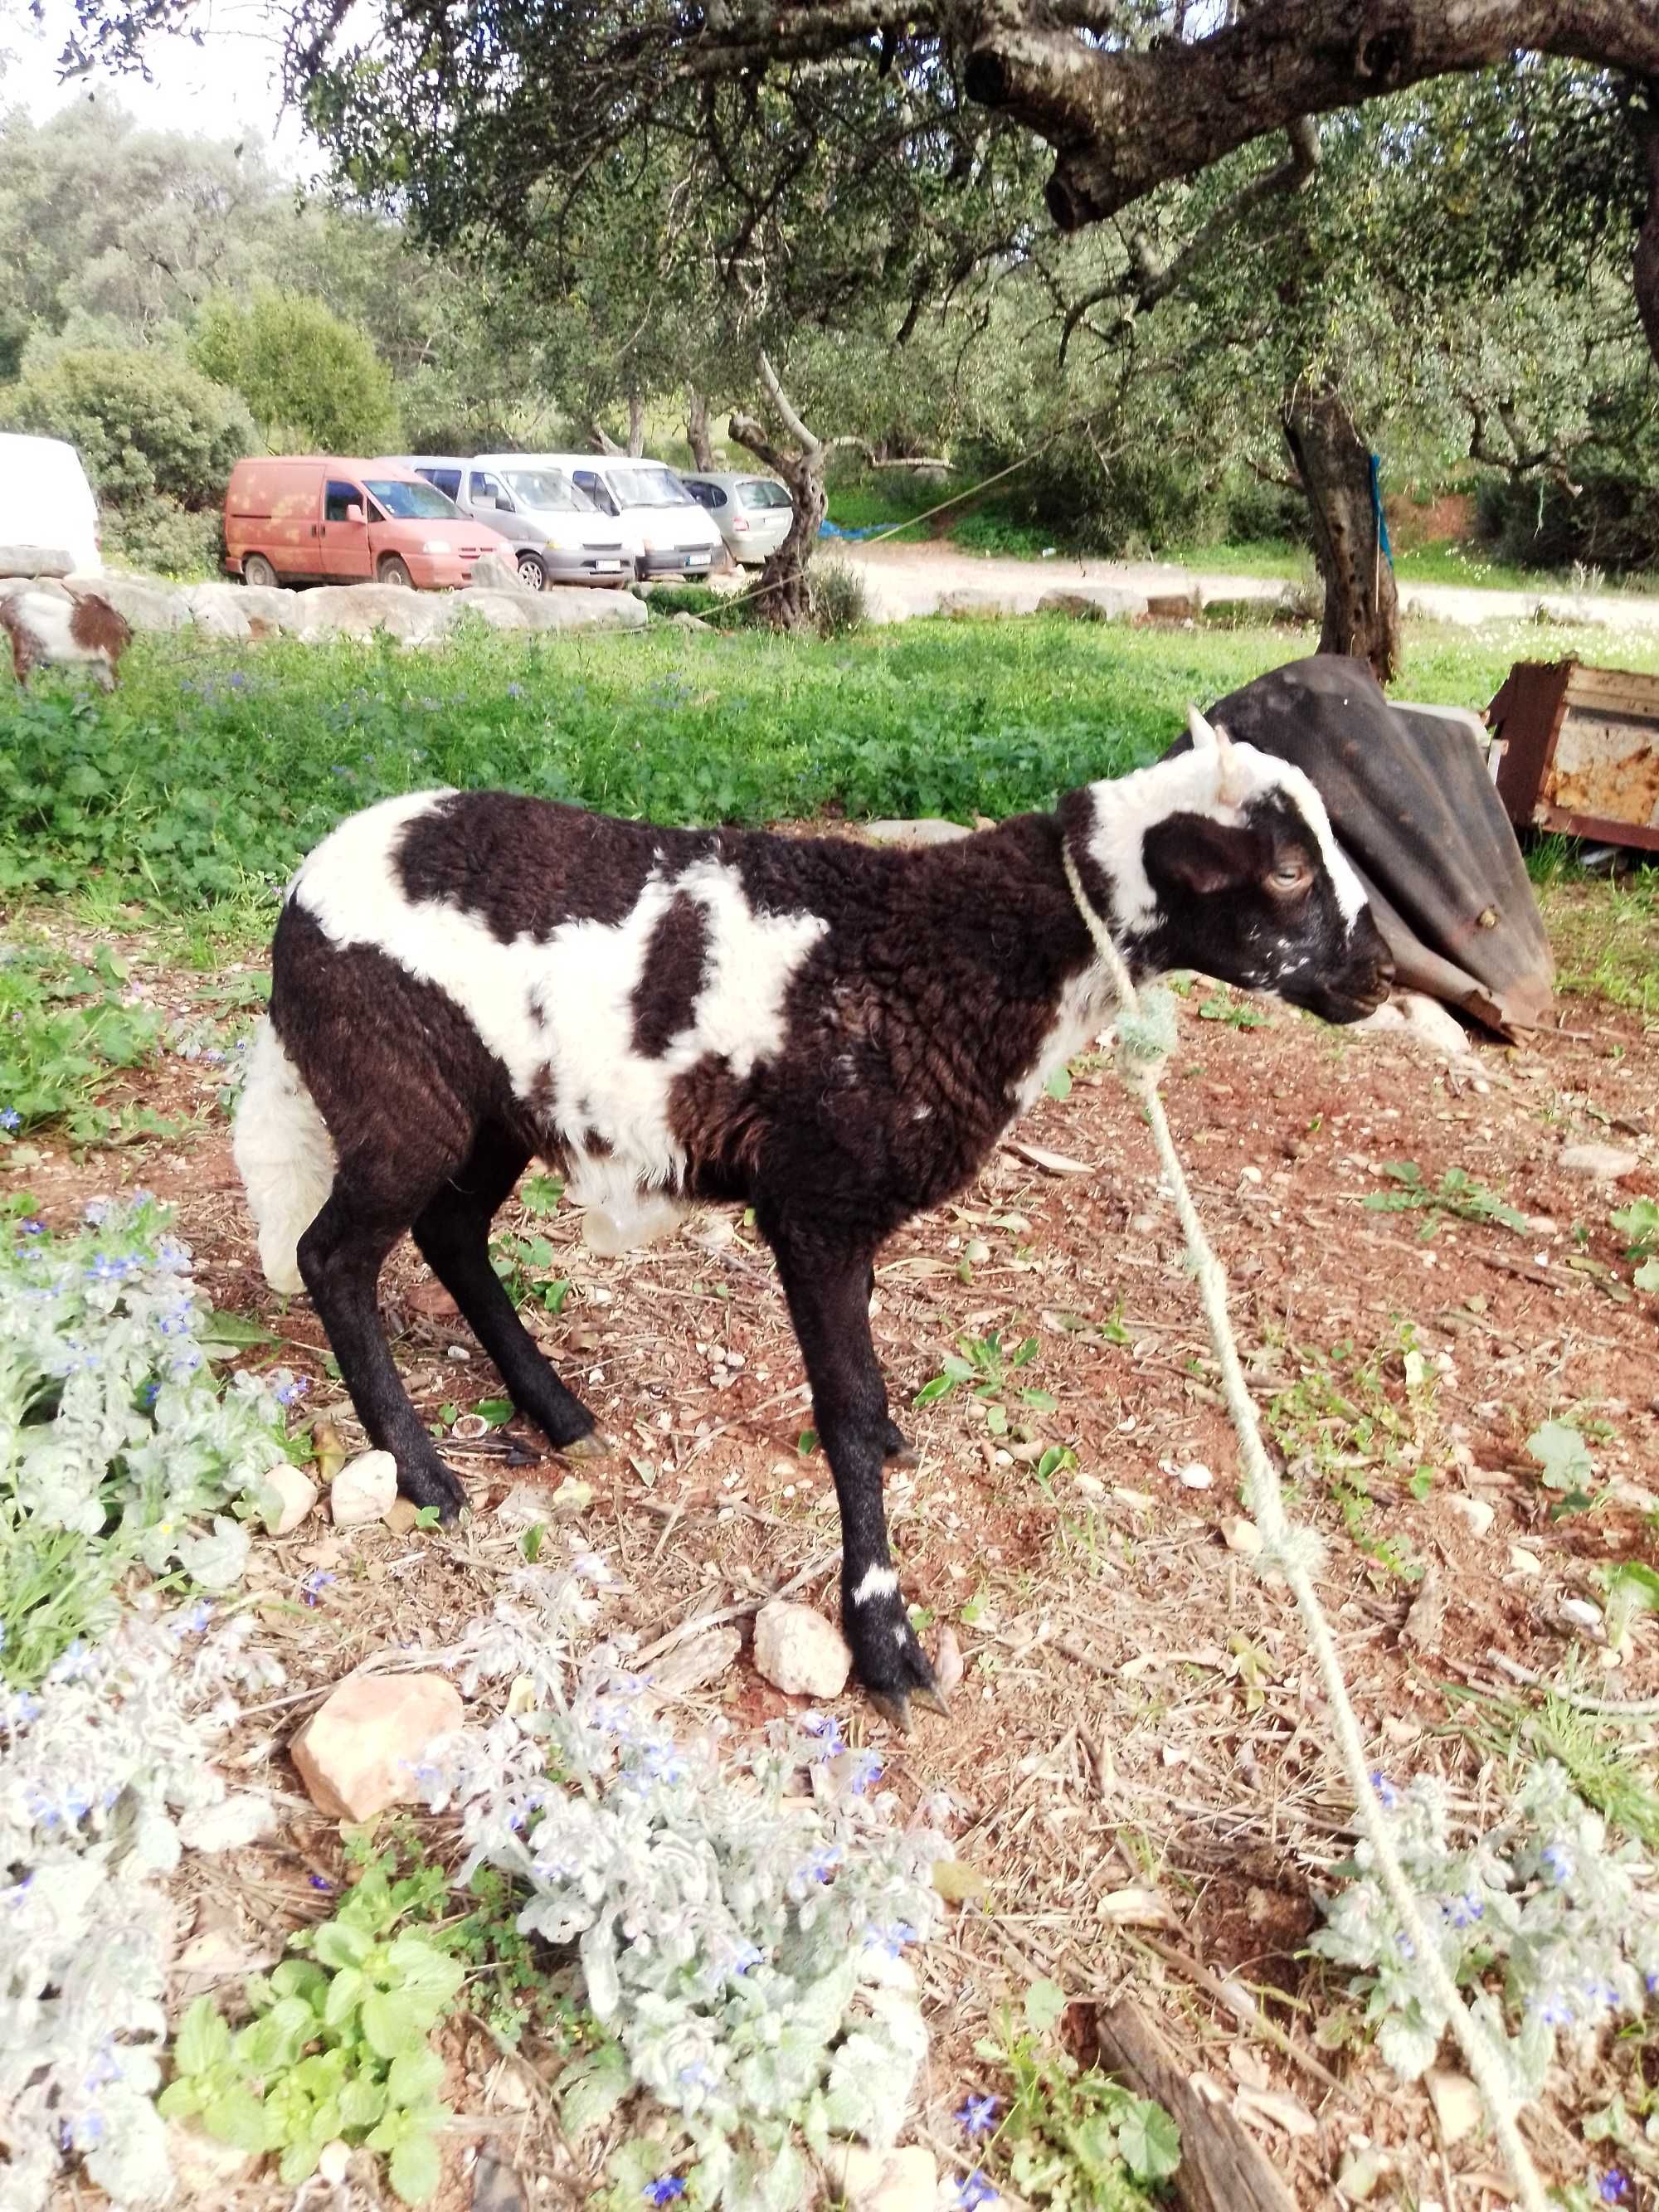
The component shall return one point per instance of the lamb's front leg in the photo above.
(828, 1291)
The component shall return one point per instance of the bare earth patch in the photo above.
(1138, 1764)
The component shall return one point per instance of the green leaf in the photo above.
(1027, 1351)
(532, 1539)
(428, 1975)
(237, 2116)
(1646, 1277)
(180, 2098)
(958, 1370)
(807, 1443)
(391, 2025)
(362, 2100)
(496, 1411)
(1149, 2141)
(1042, 1399)
(338, 1943)
(414, 2077)
(1058, 1082)
(1563, 1456)
(299, 1978)
(996, 1419)
(1045, 2001)
(204, 2039)
(591, 2088)
(937, 1388)
(414, 2169)
(344, 1995)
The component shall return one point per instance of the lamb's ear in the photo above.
(1205, 739)
(1191, 852)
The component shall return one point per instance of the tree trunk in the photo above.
(782, 597)
(600, 439)
(1362, 608)
(1644, 272)
(636, 426)
(696, 429)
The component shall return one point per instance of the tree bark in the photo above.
(600, 439)
(696, 429)
(783, 597)
(1362, 607)
(1644, 271)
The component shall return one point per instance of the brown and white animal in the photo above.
(834, 1035)
(64, 628)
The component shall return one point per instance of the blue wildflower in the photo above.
(664, 2190)
(1387, 1796)
(31, 1227)
(975, 2190)
(1614, 2188)
(516, 691)
(149, 1395)
(321, 1881)
(866, 1769)
(312, 1587)
(236, 680)
(828, 1732)
(1553, 2007)
(194, 1619)
(978, 2116)
(10, 1118)
(291, 1389)
(1462, 1911)
(1557, 1862)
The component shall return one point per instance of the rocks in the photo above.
(1242, 1536)
(495, 571)
(930, 830)
(200, 2164)
(1094, 603)
(365, 1489)
(288, 1496)
(357, 1752)
(145, 604)
(1414, 1018)
(561, 607)
(885, 2180)
(1172, 607)
(1602, 1163)
(799, 1652)
(34, 560)
(689, 622)
(361, 609)
(1456, 2103)
(696, 1663)
(1476, 1512)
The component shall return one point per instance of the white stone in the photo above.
(1242, 1536)
(361, 609)
(288, 1496)
(495, 571)
(799, 1652)
(363, 1490)
(561, 607)
(1456, 2103)
(885, 2180)
(1194, 1476)
(1476, 1510)
(332, 2160)
(146, 602)
(1524, 1562)
(34, 560)
(1582, 1613)
(929, 830)
(357, 1752)
(1602, 1162)
(696, 1663)
(1094, 603)
(1433, 1026)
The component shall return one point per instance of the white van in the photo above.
(46, 501)
(666, 531)
(557, 534)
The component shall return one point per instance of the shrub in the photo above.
(167, 539)
(299, 365)
(144, 424)
(838, 598)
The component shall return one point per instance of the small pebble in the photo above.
(1195, 1476)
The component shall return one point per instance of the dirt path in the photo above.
(908, 579)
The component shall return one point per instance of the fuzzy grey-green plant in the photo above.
(741, 1908)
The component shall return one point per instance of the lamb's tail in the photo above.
(284, 1154)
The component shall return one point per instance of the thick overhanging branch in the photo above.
(1155, 279)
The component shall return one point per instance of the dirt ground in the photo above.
(1138, 1762)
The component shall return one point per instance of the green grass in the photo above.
(198, 786)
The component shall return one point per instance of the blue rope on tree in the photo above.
(1383, 545)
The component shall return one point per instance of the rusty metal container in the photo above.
(1577, 748)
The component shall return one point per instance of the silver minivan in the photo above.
(752, 513)
(557, 533)
(666, 532)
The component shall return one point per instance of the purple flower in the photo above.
(321, 1881)
(314, 1585)
(289, 1391)
(828, 1732)
(1557, 1862)
(979, 2115)
(976, 2189)
(1462, 1911)
(866, 1769)
(1614, 2188)
(31, 1228)
(10, 1118)
(664, 2190)
(1387, 1796)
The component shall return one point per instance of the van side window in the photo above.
(340, 496)
(487, 490)
(706, 495)
(597, 489)
(448, 481)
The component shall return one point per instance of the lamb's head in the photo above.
(1222, 859)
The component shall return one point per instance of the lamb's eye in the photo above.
(1288, 878)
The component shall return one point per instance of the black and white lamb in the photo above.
(834, 1035)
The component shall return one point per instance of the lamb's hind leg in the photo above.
(452, 1232)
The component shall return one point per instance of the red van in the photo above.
(326, 520)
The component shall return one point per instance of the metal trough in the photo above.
(1577, 748)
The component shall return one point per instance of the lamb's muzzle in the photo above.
(835, 1035)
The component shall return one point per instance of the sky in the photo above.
(221, 89)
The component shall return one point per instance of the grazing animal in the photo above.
(834, 1035)
(49, 627)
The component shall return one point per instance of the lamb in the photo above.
(834, 1035)
(64, 627)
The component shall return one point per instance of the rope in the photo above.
(1145, 1035)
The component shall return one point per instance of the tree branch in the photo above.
(1157, 279)
(748, 433)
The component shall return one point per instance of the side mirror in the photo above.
(354, 512)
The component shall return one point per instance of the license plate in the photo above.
(696, 560)
(606, 568)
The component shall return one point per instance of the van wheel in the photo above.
(258, 571)
(532, 572)
(392, 570)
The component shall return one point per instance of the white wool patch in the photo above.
(47, 616)
(1126, 807)
(284, 1154)
(564, 1003)
(878, 1582)
(1086, 1007)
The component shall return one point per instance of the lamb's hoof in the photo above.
(934, 1699)
(594, 1445)
(894, 1706)
(898, 1447)
(435, 1485)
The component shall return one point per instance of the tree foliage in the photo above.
(304, 373)
(145, 424)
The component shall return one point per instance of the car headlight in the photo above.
(437, 545)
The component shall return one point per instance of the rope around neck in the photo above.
(1145, 1035)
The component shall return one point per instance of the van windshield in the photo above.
(649, 487)
(411, 502)
(547, 491)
